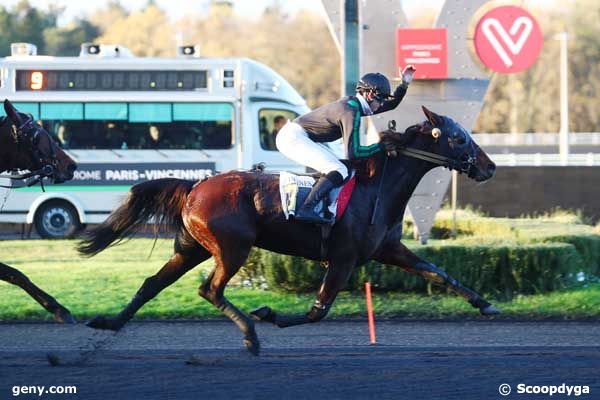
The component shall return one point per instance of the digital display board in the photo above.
(102, 80)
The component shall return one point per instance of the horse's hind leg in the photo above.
(187, 255)
(16, 277)
(397, 254)
(212, 289)
(335, 279)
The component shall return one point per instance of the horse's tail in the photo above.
(161, 199)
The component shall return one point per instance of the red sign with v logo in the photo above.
(508, 39)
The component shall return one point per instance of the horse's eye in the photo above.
(459, 138)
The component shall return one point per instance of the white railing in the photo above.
(525, 158)
(535, 139)
(539, 159)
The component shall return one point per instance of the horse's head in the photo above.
(452, 141)
(40, 152)
(442, 141)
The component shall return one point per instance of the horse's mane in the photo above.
(368, 167)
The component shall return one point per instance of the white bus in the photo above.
(126, 119)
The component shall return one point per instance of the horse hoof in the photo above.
(263, 314)
(489, 310)
(63, 316)
(101, 322)
(252, 345)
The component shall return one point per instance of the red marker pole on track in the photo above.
(370, 312)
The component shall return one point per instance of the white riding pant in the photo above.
(293, 142)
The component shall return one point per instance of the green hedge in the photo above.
(497, 269)
(563, 227)
(480, 227)
(291, 274)
(501, 257)
(588, 247)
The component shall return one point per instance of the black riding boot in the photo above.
(307, 213)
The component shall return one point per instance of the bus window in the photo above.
(203, 125)
(28, 108)
(105, 111)
(150, 112)
(61, 111)
(140, 125)
(270, 121)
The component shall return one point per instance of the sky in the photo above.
(252, 8)
(177, 8)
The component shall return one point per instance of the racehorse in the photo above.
(25, 145)
(228, 214)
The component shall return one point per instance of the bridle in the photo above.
(27, 137)
(464, 162)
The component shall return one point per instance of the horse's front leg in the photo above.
(335, 279)
(16, 277)
(395, 253)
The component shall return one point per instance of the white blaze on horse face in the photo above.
(514, 47)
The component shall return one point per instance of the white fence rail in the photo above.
(525, 158)
(535, 139)
(543, 160)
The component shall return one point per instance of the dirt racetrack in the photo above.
(330, 360)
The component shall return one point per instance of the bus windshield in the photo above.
(137, 125)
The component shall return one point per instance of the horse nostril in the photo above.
(491, 168)
(71, 168)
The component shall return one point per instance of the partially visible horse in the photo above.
(226, 215)
(24, 145)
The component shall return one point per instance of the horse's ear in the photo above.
(431, 116)
(12, 113)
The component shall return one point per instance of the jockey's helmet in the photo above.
(376, 82)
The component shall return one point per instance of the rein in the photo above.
(447, 162)
(376, 205)
(427, 156)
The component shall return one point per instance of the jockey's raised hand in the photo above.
(407, 74)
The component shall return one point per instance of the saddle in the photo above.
(294, 188)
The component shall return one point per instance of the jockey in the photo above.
(299, 139)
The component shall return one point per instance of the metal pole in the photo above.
(342, 47)
(351, 47)
(564, 100)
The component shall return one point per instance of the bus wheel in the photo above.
(56, 219)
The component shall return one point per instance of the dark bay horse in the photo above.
(226, 215)
(24, 145)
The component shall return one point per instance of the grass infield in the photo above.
(105, 283)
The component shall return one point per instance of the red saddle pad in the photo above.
(344, 197)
